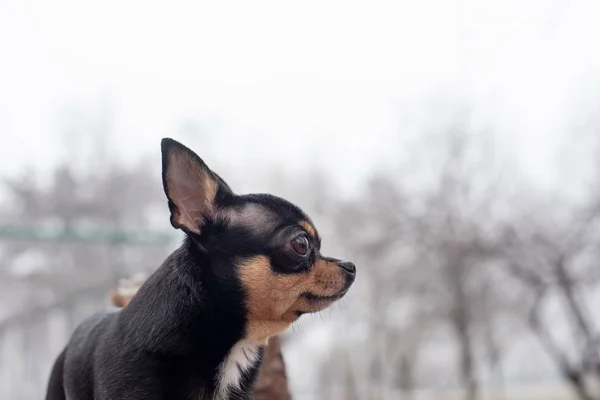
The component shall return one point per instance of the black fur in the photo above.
(166, 344)
(169, 341)
(56, 389)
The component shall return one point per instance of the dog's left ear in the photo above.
(191, 187)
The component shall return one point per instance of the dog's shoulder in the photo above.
(90, 329)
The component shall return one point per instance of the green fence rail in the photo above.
(112, 237)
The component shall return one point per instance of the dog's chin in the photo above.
(313, 298)
(318, 303)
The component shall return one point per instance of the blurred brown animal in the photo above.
(272, 379)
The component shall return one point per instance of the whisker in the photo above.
(294, 329)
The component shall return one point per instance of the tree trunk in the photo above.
(467, 367)
(494, 358)
(460, 320)
(572, 375)
(575, 378)
(590, 357)
(406, 378)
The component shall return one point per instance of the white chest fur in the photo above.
(241, 358)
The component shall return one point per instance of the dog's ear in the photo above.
(191, 187)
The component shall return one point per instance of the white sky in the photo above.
(293, 82)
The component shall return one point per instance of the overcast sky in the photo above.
(293, 82)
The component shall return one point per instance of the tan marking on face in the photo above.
(274, 299)
(308, 228)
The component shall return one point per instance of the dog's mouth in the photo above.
(317, 303)
(313, 298)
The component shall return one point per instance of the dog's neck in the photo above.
(181, 311)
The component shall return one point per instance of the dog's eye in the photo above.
(301, 245)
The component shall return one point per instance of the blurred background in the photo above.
(449, 148)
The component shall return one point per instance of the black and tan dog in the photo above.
(250, 266)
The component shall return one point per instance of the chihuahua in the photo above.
(249, 266)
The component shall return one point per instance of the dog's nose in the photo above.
(348, 266)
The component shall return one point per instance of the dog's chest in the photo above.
(242, 357)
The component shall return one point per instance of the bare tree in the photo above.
(430, 257)
(552, 248)
(558, 263)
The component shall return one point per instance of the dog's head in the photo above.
(260, 243)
